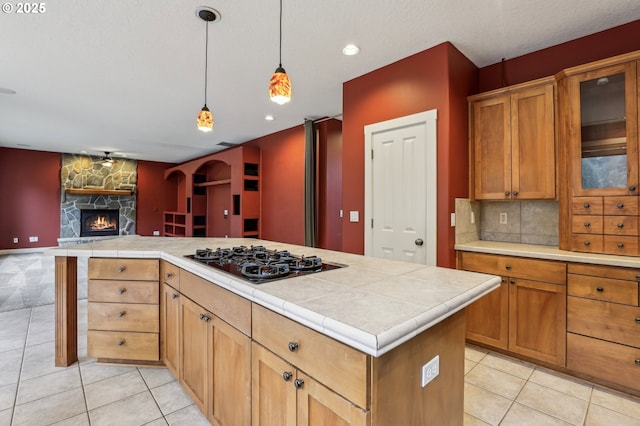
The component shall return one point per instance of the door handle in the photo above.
(419, 242)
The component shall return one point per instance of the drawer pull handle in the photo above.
(587, 224)
(122, 291)
(122, 268)
(169, 275)
(586, 205)
(637, 320)
(620, 245)
(174, 296)
(638, 277)
(293, 346)
(120, 342)
(287, 375)
(121, 314)
(600, 290)
(620, 225)
(299, 382)
(587, 243)
(507, 267)
(632, 188)
(620, 205)
(637, 361)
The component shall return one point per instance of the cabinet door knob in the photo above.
(620, 245)
(504, 280)
(637, 361)
(287, 375)
(620, 225)
(587, 224)
(293, 346)
(515, 193)
(632, 188)
(507, 193)
(201, 316)
(637, 320)
(169, 275)
(122, 291)
(299, 382)
(121, 314)
(120, 342)
(206, 318)
(620, 205)
(586, 243)
(507, 267)
(600, 290)
(512, 282)
(122, 268)
(174, 296)
(586, 205)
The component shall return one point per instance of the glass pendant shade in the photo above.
(280, 86)
(205, 120)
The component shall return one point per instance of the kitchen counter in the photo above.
(373, 305)
(547, 252)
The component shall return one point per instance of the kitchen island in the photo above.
(359, 336)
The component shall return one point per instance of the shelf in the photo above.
(213, 183)
(98, 191)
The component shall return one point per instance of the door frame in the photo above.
(429, 118)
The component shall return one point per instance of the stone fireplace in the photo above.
(90, 188)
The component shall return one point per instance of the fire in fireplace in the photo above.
(99, 222)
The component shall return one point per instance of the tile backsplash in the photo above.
(527, 222)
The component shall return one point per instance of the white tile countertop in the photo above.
(373, 305)
(548, 252)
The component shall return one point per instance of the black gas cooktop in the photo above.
(258, 264)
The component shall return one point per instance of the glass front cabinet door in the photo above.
(602, 129)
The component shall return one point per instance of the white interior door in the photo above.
(400, 188)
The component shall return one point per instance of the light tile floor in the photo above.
(499, 390)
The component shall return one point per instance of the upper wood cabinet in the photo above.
(512, 149)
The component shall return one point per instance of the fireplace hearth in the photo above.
(99, 222)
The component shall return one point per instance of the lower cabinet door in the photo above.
(537, 320)
(170, 328)
(230, 377)
(193, 352)
(318, 405)
(488, 318)
(273, 393)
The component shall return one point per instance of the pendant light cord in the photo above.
(206, 51)
(280, 55)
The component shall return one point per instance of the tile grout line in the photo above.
(24, 347)
(152, 396)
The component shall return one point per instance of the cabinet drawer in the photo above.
(170, 274)
(586, 224)
(587, 243)
(227, 306)
(620, 225)
(604, 320)
(532, 269)
(328, 361)
(600, 288)
(617, 272)
(123, 291)
(123, 345)
(123, 317)
(587, 205)
(621, 245)
(123, 269)
(621, 205)
(605, 360)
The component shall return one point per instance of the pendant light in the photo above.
(280, 84)
(205, 118)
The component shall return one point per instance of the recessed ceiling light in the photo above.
(350, 50)
(6, 91)
(269, 117)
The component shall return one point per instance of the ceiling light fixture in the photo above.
(350, 50)
(280, 84)
(107, 161)
(205, 118)
(269, 117)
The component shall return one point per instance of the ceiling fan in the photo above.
(106, 160)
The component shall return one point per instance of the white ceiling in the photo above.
(128, 76)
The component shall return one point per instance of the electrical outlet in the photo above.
(156, 233)
(33, 239)
(503, 218)
(453, 220)
(473, 218)
(15, 240)
(430, 370)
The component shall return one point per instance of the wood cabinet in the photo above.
(123, 310)
(512, 149)
(598, 116)
(170, 328)
(603, 323)
(527, 314)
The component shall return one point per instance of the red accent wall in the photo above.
(439, 78)
(154, 195)
(282, 185)
(545, 62)
(30, 198)
(329, 185)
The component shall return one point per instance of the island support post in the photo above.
(66, 304)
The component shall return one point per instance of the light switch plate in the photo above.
(354, 216)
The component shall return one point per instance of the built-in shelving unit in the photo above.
(175, 224)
